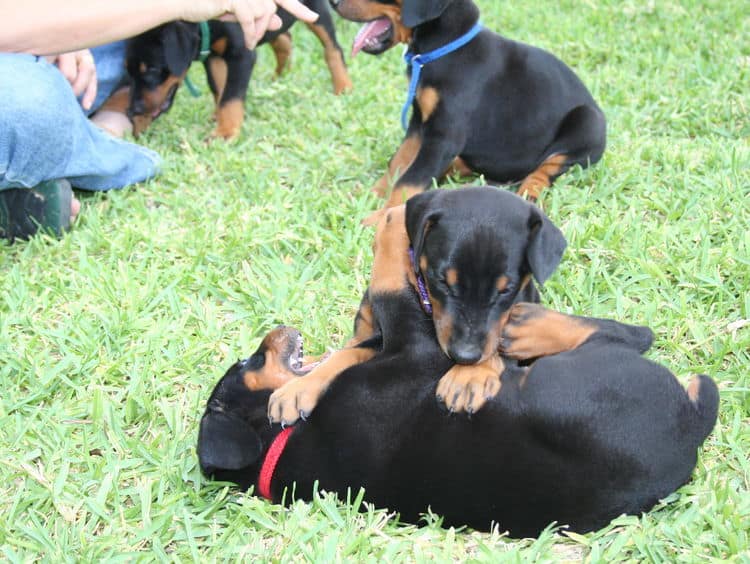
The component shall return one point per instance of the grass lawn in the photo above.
(111, 339)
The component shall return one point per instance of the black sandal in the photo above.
(24, 211)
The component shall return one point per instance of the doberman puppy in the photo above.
(158, 60)
(475, 252)
(509, 111)
(579, 437)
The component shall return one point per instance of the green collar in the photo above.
(203, 54)
(205, 41)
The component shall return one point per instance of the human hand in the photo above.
(79, 70)
(255, 16)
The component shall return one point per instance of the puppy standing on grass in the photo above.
(158, 61)
(511, 112)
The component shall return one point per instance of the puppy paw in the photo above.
(467, 388)
(522, 331)
(294, 400)
(225, 133)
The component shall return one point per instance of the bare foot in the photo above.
(113, 122)
(75, 208)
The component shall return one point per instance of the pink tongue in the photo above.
(368, 31)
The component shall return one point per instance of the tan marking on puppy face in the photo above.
(367, 10)
(153, 100)
(275, 371)
(142, 68)
(423, 263)
(428, 99)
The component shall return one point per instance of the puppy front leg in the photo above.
(466, 388)
(230, 110)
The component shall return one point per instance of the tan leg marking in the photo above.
(229, 119)
(467, 388)
(334, 60)
(218, 69)
(282, 50)
(533, 331)
(398, 197)
(299, 396)
(459, 168)
(541, 178)
(398, 164)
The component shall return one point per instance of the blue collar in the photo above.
(417, 61)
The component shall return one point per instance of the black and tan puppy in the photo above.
(475, 253)
(509, 111)
(579, 437)
(158, 60)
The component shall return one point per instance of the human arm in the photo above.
(44, 27)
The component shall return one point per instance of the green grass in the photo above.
(111, 339)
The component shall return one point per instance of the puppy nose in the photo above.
(466, 354)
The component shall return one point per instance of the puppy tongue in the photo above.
(369, 31)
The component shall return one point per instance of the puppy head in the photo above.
(229, 439)
(387, 22)
(157, 62)
(477, 249)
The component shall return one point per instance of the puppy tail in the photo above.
(704, 397)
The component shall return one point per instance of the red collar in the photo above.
(270, 462)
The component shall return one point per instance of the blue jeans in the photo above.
(45, 134)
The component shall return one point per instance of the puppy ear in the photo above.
(180, 44)
(226, 443)
(546, 246)
(421, 214)
(416, 12)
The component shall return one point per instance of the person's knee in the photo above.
(38, 96)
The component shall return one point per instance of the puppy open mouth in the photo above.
(167, 103)
(294, 357)
(374, 37)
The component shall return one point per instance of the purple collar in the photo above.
(424, 298)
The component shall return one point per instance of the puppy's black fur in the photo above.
(588, 431)
(509, 111)
(158, 60)
(579, 438)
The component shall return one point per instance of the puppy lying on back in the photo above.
(158, 60)
(509, 111)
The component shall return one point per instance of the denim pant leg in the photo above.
(110, 71)
(44, 134)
